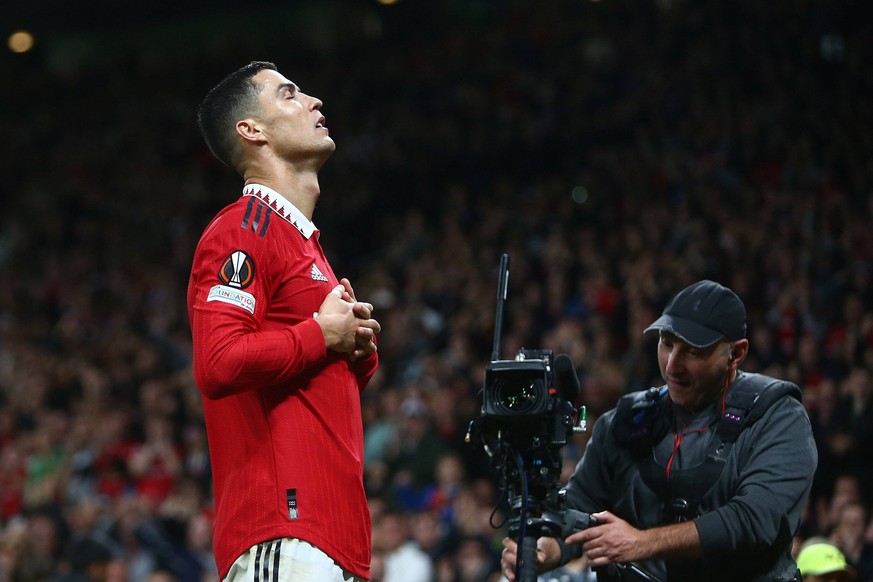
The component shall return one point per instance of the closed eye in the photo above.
(288, 90)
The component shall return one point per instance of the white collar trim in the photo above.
(281, 206)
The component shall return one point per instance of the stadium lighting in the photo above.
(20, 41)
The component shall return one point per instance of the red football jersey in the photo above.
(283, 414)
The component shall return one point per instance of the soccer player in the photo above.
(282, 348)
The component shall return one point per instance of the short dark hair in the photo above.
(234, 98)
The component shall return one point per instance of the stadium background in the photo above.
(616, 150)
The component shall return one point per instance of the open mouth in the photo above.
(320, 124)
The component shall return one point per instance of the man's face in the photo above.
(695, 377)
(292, 121)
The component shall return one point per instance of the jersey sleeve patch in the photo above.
(237, 270)
(232, 296)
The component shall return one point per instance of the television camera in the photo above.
(528, 415)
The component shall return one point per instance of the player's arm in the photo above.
(230, 291)
(231, 353)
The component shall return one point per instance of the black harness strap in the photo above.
(644, 418)
(746, 405)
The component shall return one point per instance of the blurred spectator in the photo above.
(138, 558)
(851, 433)
(848, 535)
(433, 535)
(155, 463)
(475, 560)
(161, 576)
(86, 560)
(381, 409)
(199, 541)
(401, 558)
(846, 490)
(43, 555)
(45, 460)
(411, 459)
(576, 570)
(450, 477)
(820, 561)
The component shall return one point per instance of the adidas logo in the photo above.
(316, 274)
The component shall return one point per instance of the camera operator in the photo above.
(704, 478)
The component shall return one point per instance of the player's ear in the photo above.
(250, 130)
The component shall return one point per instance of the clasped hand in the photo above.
(347, 323)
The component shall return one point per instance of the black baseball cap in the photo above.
(703, 314)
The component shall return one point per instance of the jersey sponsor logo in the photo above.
(237, 270)
(257, 217)
(316, 274)
(233, 297)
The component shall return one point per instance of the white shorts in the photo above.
(287, 560)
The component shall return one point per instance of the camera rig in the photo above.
(528, 415)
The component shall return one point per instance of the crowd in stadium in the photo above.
(616, 155)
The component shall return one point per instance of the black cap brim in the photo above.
(688, 331)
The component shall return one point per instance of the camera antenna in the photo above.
(502, 284)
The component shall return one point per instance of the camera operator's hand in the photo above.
(548, 556)
(611, 541)
(615, 541)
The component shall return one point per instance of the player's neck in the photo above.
(301, 188)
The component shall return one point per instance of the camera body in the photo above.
(528, 415)
(527, 421)
(517, 391)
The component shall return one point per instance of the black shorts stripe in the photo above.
(265, 563)
(258, 555)
(276, 554)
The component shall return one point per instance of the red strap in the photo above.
(677, 440)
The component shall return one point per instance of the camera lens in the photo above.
(519, 397)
